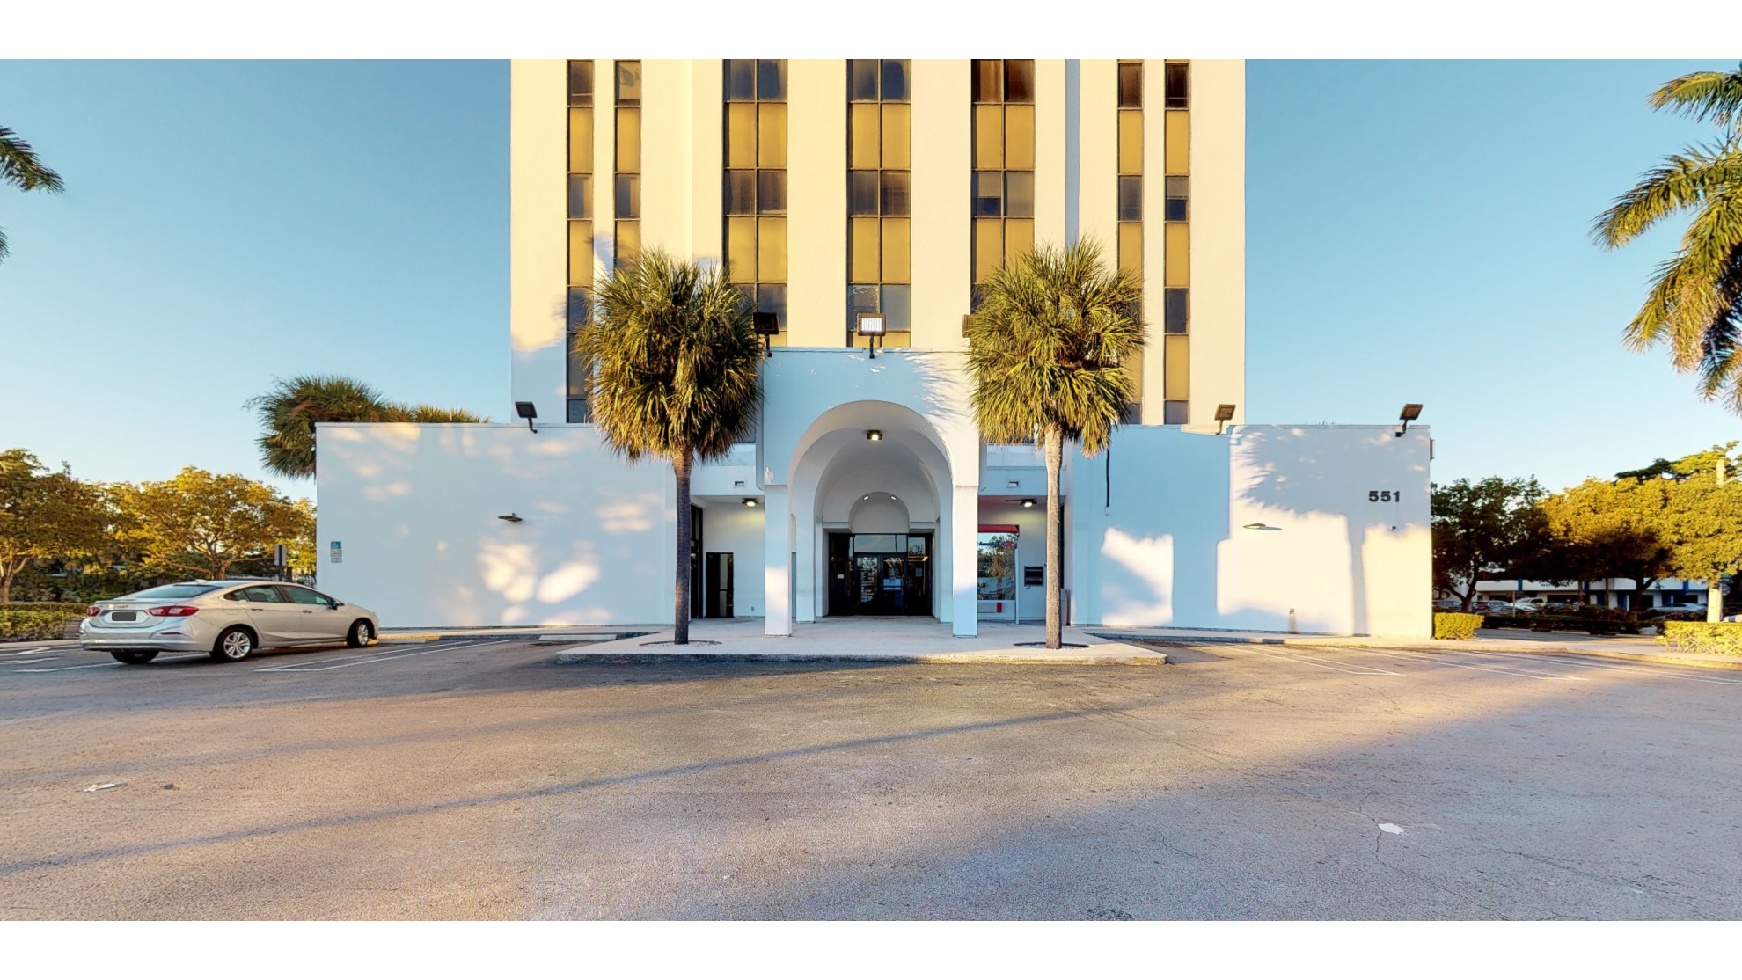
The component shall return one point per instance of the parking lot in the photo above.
(478, 778)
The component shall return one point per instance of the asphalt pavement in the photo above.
(475, 777)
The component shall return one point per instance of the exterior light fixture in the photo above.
(750, 501)
(1013, 484)
(1259, 526)
(526, 411)
(892, 496)
(1410, 414)
(767, 325)
(510, 518)
(1028, 503)
(1224, 415)
(874, 435)
(872, 326)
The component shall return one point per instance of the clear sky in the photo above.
(1416, 231)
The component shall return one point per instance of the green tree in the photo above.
(1482, 530)
(43, 515)
(20, 167)
(1607, 529)
(1694, 305)
(1048, 350)
(676, 374)
(288, 413)
(199, 523)
(1702, 518)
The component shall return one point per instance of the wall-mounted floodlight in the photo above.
(750, 501)
(1410, 414)
(767, 324)
(874, 435)
(510, 518)
(872, 326)
(1260, 526)
(1013, 484)
(527, 411)
(1224, 415)
(1028, 503)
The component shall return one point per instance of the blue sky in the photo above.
(1417, 231)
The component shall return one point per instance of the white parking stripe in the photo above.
(1441, 660)
(23, 653)
(1336, 665)
(45, 670)
(355, 662)
(1653, 670)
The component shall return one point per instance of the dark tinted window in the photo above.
(1177, 95)
(305, 596)
(260, 593)
(172, 592)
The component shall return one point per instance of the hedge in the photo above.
(1576, 624)
(1703, 637)
(31, 624)
(1456, 626)
(66, 607)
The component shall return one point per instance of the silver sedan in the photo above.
(228, 620)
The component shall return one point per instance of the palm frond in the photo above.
(1684, 180)
(20, 167)
(289, 411)
(1049, 345)
(676, 363)
(1700, 95)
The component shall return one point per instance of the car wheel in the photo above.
(234, 643)
(361, 635)
(134, 656)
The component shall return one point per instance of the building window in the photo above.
(1002, 189)
(879, 184)
(1176, 246)
(627, 189)
(1130, 194)
(580, 220)
(754, 194)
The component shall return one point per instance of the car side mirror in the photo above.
(337, 603)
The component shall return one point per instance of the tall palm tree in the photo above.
(20, 168)
(289, 411)
(1694, 306)
(676, 374)
(1048, 348)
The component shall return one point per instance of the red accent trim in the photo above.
(999, 529)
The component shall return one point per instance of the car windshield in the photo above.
(173, 592)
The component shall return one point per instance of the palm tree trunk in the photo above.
(1054, 459)
(681, 614)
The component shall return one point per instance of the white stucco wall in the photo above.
(416, 508)
(1170, 546)
(730, 526)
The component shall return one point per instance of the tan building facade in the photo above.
(831, 187)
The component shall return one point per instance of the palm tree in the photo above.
(676, 374)
(20, 168)
(289, 411)
(1695, 302)
(1047, 349)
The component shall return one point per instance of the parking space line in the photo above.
(356, 662)
(1439, 660)
(45, 670)
(1650, 669)
(1341, 668)
(11, 654)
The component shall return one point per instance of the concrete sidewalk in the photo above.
(862, 641)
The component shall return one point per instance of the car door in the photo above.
(275, 619)
(319, 620)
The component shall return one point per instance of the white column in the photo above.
(778, 559)
(964, 542)
(804, 543)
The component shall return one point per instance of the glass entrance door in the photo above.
(880, 575)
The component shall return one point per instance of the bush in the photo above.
(1703, 637)
(29, 624)
(1456, 626)
(66, 607)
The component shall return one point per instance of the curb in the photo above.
(580, 655)
(1665, 659)
(548, 636)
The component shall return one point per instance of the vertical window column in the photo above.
(580, 219)
(1130, 244)
(1003, 178)
(627, 191)
(879, 184)
(1176, 316)
(754, 195)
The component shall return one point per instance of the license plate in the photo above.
(124, 617)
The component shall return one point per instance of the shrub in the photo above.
(31, 624)
(66, 607)
(1703, 637)
(1456, 626)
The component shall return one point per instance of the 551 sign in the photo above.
(1384, 496)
